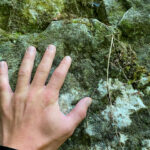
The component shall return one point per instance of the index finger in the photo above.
(24, 74)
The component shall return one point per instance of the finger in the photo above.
(44, 67)
(5, 89)
(59, 75)
(24, 74)
(79, 112)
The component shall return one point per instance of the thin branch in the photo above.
(108, 86)
(108, 66)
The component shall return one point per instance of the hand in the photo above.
(31, 118)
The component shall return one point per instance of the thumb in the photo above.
(79, 112)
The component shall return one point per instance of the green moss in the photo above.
(124, 57)
(6, 36)
(138, 129)
(75, 7)
(135, 23)
(112, 10)
(29, 15)
(4, 16)
(87, 23)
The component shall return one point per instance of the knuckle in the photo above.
(27, 57)
(58, 73)
(47, 98)
(50, 97)
(30, 95)
(23, 73)
(47, 95)
(42, 69)
(19, 97)
(29, 98)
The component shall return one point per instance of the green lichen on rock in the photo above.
(29, 15)
(74, 8)
(136, 22)
(84, 30)
(114, 11)
(4, 16)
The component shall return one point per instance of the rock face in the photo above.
(94, 34)
(29, 15)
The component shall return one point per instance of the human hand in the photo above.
(31, 118)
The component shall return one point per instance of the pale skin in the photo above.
(31, 117)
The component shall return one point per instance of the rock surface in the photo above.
(119, 117)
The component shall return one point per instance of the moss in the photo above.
(135, 23)
(29, 15)
(138, 129)
(87, 23)
(75, 7)
(112, 11)
(5, 36)
(4, 16)
(125, 58)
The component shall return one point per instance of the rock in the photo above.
(85, 31)
(79, 40)
(127, 102)
(114, 11)
(29, 15)
(142, 4)
(74, 8)
(142, 50)
(147, 90)
(146, 144)
(135, 22)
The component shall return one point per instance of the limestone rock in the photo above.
(119, 117)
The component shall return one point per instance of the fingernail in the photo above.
(31, 49)
(51, 48)
(2, 64)
(68, 58)
(89, 101)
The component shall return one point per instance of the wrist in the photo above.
(28, 145)
(20, 145)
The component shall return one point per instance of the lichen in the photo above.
(133, 21)
(123, 138)
(146, 144)
(125, 104)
